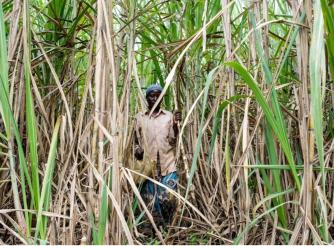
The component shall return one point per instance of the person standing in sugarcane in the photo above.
(155, 139)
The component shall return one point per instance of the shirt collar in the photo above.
(161, 111)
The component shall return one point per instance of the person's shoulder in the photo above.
(139, 116)
(167, 113)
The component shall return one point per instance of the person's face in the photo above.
(152, 98)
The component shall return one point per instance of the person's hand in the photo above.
(177, 117)
(139, 153)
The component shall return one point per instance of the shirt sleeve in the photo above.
(171, 133)
(137, 128)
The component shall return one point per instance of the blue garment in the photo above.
(154, 87)
(151, 191)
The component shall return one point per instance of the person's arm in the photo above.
(174, 130)
(139, 152)
(176, 121)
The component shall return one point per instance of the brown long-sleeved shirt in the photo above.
(156, 133)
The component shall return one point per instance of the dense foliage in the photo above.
(253, 80)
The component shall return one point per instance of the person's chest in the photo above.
(156, 128)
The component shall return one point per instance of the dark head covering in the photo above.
(154, 87)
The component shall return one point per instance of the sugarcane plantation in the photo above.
(166, 122)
